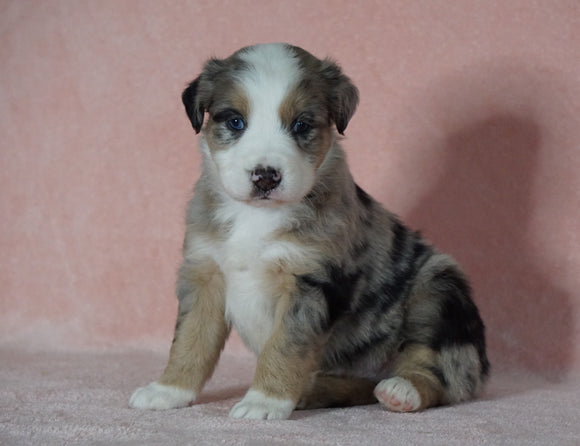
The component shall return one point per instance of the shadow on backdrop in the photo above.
(479, 210)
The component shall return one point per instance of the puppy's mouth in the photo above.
(263, 197)
(261, 194)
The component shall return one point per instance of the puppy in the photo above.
(341, 303)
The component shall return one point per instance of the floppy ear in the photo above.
(342, 94)
(193, 106)
(198, 95)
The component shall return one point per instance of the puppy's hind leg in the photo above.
(337, 391)
(200, 334)
(414, 384)
(444, 359)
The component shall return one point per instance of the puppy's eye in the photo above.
(300, 127)
(236, 124)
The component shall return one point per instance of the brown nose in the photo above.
(266, 178)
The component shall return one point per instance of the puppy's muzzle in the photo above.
(266, 178)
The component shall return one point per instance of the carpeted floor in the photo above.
(81, 398)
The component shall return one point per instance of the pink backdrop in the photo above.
(468, 127)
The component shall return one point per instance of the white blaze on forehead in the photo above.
(273, 70)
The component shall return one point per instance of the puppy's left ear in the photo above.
(342, 95)
(193, 106)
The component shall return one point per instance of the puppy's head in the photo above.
(271, 111)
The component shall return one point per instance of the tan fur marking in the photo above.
(292, 105)
(324, 142)
(283, 368)
(413, 364)
(230, 95)
(233, 97)
(298, 101)
(201, 335)
(336, 391)
(282, 282)
(239, 101)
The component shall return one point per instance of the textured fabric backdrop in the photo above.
(468, 128)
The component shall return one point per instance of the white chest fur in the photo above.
(248, 259)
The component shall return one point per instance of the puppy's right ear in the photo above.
(193, 105)
(199, 95)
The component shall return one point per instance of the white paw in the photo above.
(158, 397)
(398, 394)
(257, 406)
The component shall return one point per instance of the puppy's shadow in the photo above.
(479, 210)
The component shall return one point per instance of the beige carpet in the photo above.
(81, 398)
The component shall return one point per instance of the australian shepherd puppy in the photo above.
(341, 303)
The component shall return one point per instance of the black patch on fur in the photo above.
(363, 197)
(226, 115)
(361, 347)
(399, 240)
(338, 292)
(337, 289)
(408, 254)
(192, 108)
(459, 321)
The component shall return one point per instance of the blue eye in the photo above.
(236, 124)
(300, 127)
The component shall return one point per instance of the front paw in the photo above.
(255, 405)
(157, 396)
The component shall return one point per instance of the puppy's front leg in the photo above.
(287, 361)
(200, 334)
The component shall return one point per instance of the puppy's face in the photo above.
(271, 114)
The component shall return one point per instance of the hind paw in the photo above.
(398, 395)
